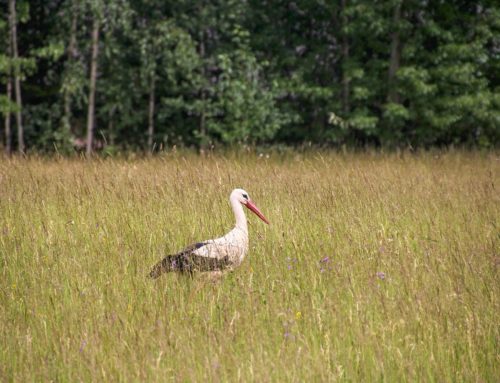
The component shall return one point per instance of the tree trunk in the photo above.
(71, 57)
(393, 95)
(17, 79)
(345, 57)
(93, 76)
(203, 93)
(111, 126)
(8, 138)
(151, 119)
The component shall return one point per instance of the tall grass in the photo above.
(374, 268)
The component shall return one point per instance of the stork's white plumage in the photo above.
(215, 254)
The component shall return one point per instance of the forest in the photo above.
(145, 75)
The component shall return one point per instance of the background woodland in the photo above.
(138, 75)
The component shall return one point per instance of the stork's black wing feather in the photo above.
(188, 262)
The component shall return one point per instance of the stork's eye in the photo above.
(245, 196)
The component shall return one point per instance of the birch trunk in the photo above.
(17, 79)
(395, 59)
(345, 57)
(151, 117)
(203, 94)
(71, 57)
(93, 77)
(8, 138)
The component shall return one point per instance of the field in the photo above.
(376, 267)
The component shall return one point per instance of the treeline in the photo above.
(145, 74)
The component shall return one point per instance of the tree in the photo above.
(17, 75)
(395, 58)
(6, 102)
(152, 46)
(345, 58)
(445, 93)
(92, 86)
(71, 57)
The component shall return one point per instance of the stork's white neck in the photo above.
(239, 214)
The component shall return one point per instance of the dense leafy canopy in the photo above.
(355, 72)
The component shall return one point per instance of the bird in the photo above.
(214, 255)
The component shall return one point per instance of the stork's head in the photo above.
(242, 197)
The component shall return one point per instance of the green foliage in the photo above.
(243, 108)
(168, 57)
(53, 51)
(396, 72)
(6, 105)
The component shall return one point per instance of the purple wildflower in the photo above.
(381, 275)
(325, 260)
(290, 261)
(82, 345)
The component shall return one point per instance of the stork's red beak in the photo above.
(256, 210)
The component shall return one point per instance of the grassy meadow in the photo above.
(376, 267)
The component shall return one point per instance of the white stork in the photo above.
(218, 254)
